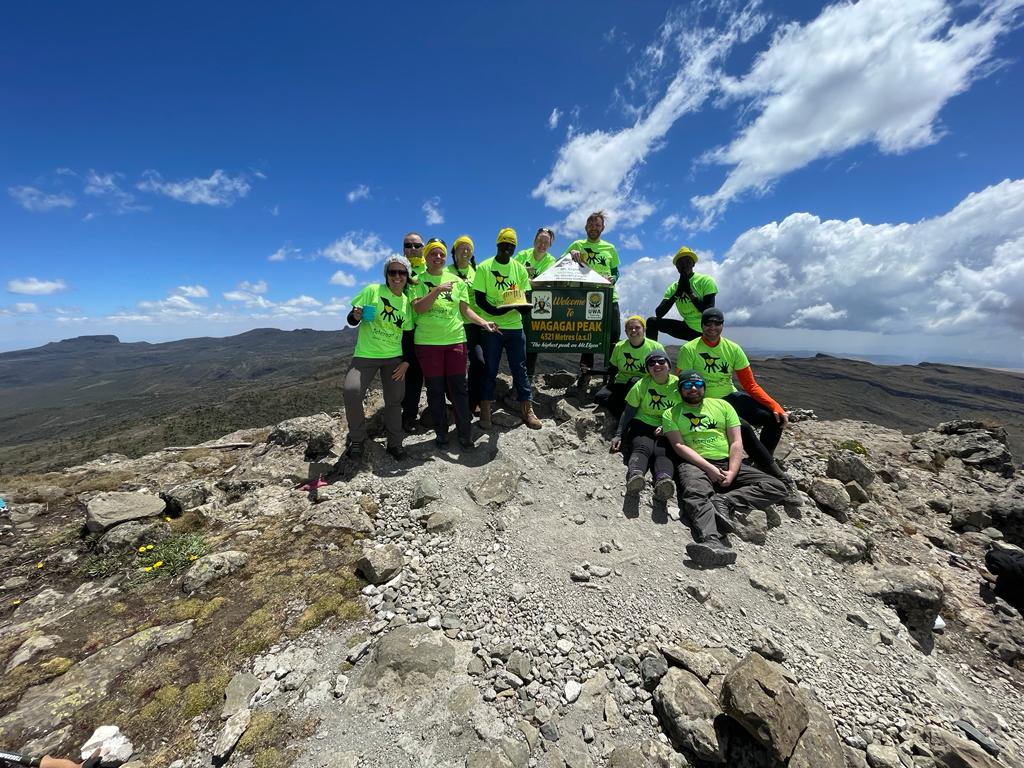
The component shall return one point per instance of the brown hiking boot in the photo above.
(485, 414)
(529, 417)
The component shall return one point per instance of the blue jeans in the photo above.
(513, 342)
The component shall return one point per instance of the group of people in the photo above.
(445, 326)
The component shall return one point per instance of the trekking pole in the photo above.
(46, 761)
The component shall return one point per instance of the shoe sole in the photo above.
(664, 490)
(634, 485)
(709, 557)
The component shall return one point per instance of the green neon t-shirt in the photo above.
(716, 364)
(465, 276)
(441, 325)
(382, 337)
(701, 285)
(534, 267)
(652, 399)
(703, 428)
(493, 279)
(629, 360)
(600, 257)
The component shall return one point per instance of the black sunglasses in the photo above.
(712, 322)
(397, 273)
(414, 246)
(657, 361)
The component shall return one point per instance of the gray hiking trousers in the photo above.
(751, 488)
(357, 381)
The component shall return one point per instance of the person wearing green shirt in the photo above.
(626, 365)
(536, 260)
(441, 304)
(412, 247)
(384, 315)
(638, 434)
(601, 256)
(704, 434)
(494, 279)
(691, 293)
(463, 268)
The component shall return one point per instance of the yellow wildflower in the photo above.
(39, 564)
(16, 602)
(149, 546)
(158, 563)
(147, 569)
(142, 548)
(193, 557)
(167, 519)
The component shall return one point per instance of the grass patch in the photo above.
(854, 446)
(268, 758)
(204, 695)
(266, 729)
(325, 608)
(170, 556)
(258, 632)
(192, 608)
(103, 481)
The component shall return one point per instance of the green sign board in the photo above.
(569, 319)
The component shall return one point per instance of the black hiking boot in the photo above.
(711, 553)
(397, 452)
(664, 488)
(634, 483)
(355, 451)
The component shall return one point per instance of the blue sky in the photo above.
(852, 175)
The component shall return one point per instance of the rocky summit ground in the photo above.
(509, 606)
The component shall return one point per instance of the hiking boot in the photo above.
(485, 414)
(441, 441)
(355, 451)
(397, 452)
(466, 442)
(634, 483)
(409, 425)
(664, 488)
(529, 417)
(711, 553)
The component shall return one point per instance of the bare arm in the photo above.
(473, 317)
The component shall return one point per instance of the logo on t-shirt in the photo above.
(503, 282)
(658, 400)
(391, 313)
(632, 363)
(714, 364)
(596, 258)
(699, 422)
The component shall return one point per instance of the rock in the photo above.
(700, 663)
(687, 710)
(572, 691)
(520, 664)
(410, 650)
(819, 746)
(848, 467)
(487, 758)
(951, 751)
(881, 756)
(425, 491)
(856, 493)
(978, 737)
(575, 753)
(831, 498)
(497, 486)
(114, 746)
(31, 647)
(912, 593)
(758, 697)
(442, 521)
(974, 443)
(312, 431)
(381, 564)
(549, 731)
(842, 545)
(47, 707)
(653, 667)
(627, 757)
(342, 514)
(770, 586)
(580, 575)
(1006, 512)
(15, 582)
(750, 525)
(238, 692)
(132, 535)
(113, 507)
(698, 593)
(213, 566)
(230, 734)
(186, 496)
(23, 513)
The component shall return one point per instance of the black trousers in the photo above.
(646, 450)
(413, 387)
(757, 415)
(587, 358)
(677, 329)
(613, 397)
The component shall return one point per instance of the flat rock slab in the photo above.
(230, 734)
(497, 486)
(915, 595)
(109, 509)
(210, 567)
(236, 696)
(412, 649)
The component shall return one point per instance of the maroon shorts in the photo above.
(442, 360)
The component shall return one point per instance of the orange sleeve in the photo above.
(747, 381)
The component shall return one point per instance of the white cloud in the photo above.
(106, 185)
(173, 306)
(192, 291)
(260, 286)
(554, 117)
(37, 201)
(358, 249)
(282, 253)
(302, 301)
(343, 278)
(955, 273)
(361, 192)
(26, 307)
(631, 242)
(432, 210)
(218, 190)
(872, 72)
(33, 286)
(598, 170)
(251, 294)
(275, 211)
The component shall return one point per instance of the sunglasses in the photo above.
(658, 361)
(712, 322)
(397, 273)
(692, 384)
(413, 246)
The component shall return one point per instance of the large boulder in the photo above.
(912, 593)
(381, 564)
(758, 697)
(115, 507)
(210, 567)
(132, 535)
(688, 710)
(185, 496)
(973, 442)
(831, 497)
(341, 513)
(951, 751)
(842, 545)
(314, 432)
(847, 466)
(413, 649)
(497, 486)
(1006, 512)
(819, 746)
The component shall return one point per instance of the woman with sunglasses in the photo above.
(463, 268)
(638, 435)
(536, 260)
(626, 365)
(384, 315)
(441, 304)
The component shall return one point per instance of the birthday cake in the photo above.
(515, 297)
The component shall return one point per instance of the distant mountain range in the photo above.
(69, 401)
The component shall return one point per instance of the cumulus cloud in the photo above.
(219, 190)
(631, 242)
(554, 117)
(358, 249)
(598, 169)
(432, 210)
(251, 294)
(37, 201)
(26, 307)
(873, 72)
(944, 275)
(361, 192)
(33, 286)
(174, 305)
(343, 278)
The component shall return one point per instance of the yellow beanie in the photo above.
(432, 244)
(507, 235)
(643, 323)
(464, 239)
(684, 251)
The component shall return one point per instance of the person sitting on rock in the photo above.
(638, 433)
(718, 358)
(692, 294)
(626, 365)
(704, 434)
